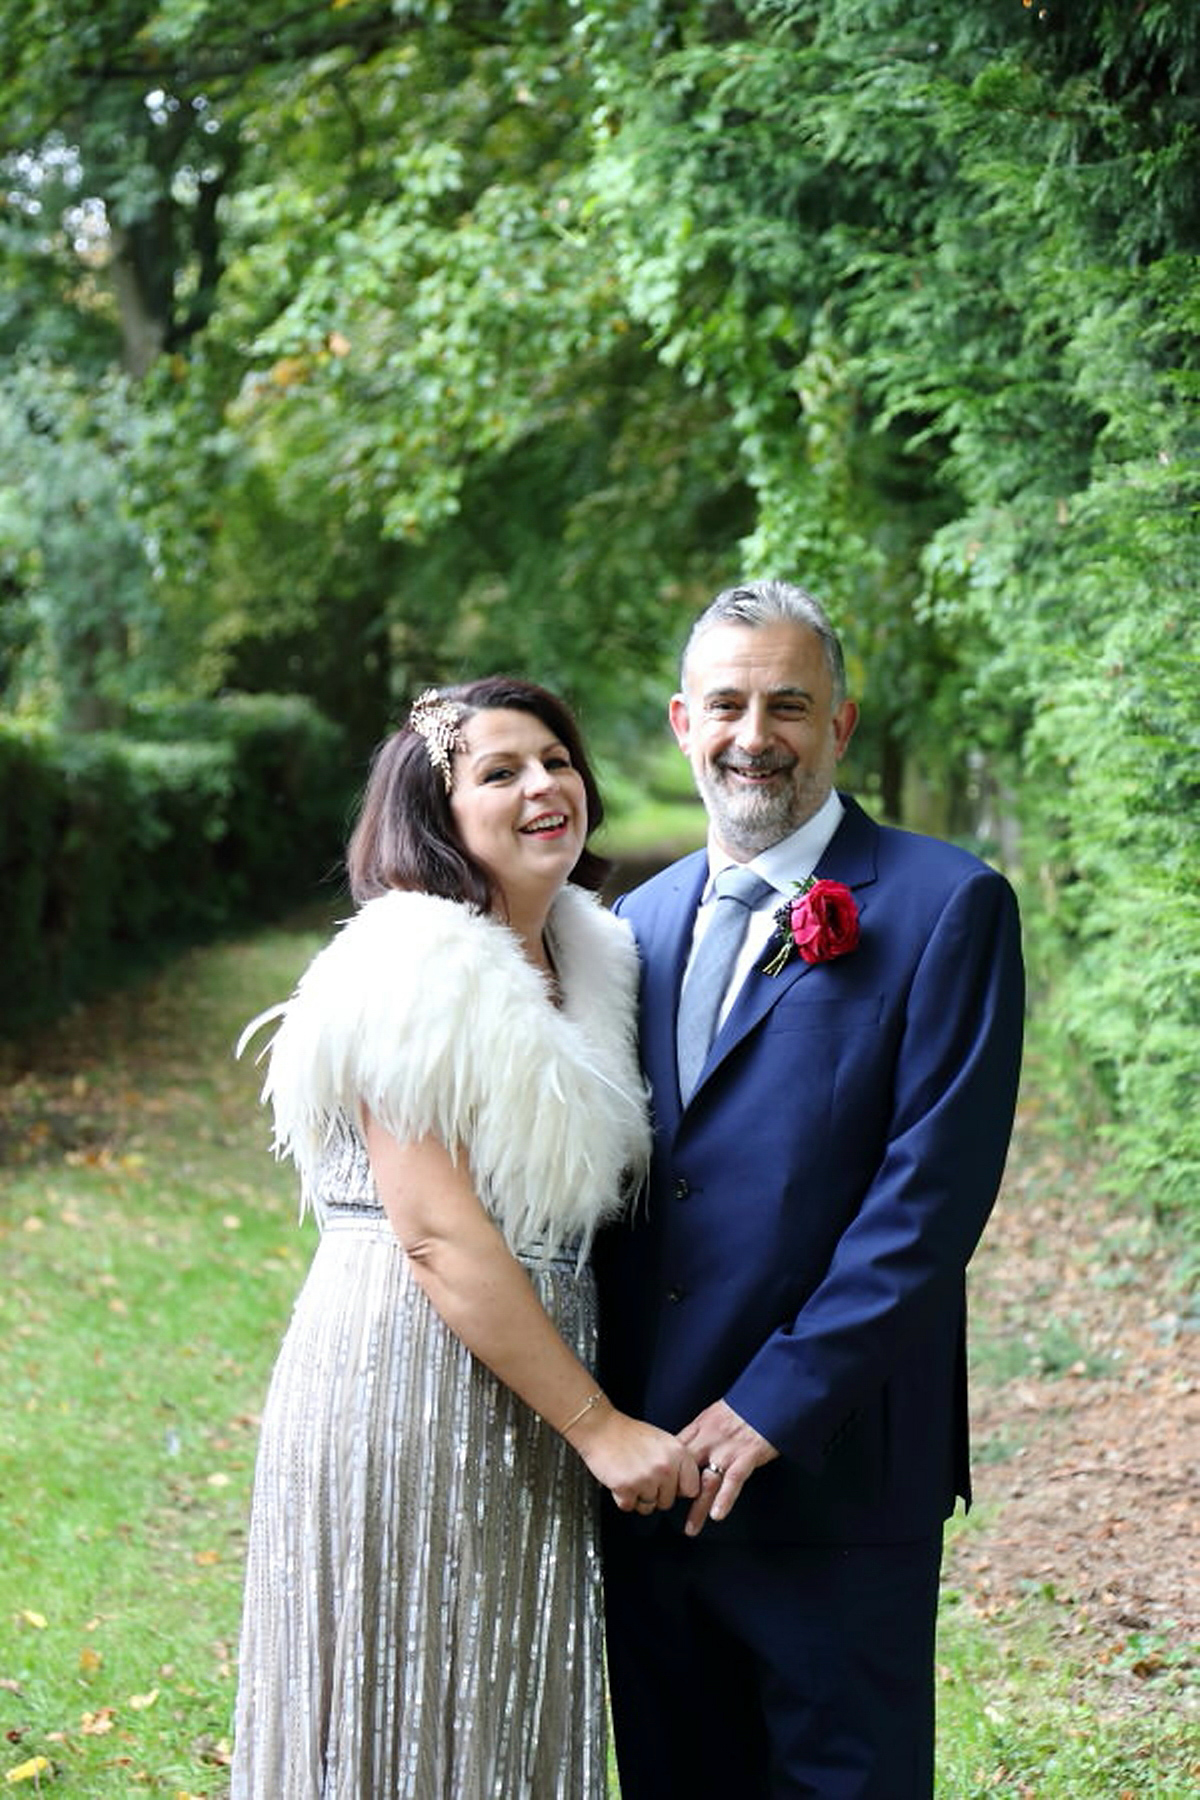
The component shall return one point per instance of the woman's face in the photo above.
(519, 805)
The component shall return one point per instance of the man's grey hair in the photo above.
(756, 603)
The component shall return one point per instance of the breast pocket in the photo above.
(825, 1015)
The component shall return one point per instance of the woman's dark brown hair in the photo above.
(406, 836)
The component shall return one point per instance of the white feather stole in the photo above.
(429, 1015)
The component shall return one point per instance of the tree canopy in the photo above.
(366, 343)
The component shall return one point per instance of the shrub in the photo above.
(116, 849)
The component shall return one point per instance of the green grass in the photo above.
(1019, 1718)
(652, 808)
(668, 828)
(151, 1254)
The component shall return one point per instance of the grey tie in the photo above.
(738, 891)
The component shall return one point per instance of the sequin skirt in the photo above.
(422, 1609)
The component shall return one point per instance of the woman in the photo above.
(457, 1083)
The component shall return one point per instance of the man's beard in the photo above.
(750, 820)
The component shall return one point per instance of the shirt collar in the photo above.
(794, 857)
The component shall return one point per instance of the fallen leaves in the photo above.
(32, 1769)
(1089, 1495)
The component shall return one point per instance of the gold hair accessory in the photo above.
(437, 720)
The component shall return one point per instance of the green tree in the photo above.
(411, 425)
(83, 633)
(502, 333)
(952, 251)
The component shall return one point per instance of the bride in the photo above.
(457, 1082)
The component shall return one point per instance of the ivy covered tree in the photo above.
(941, 264)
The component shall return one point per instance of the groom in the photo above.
(833, 1096)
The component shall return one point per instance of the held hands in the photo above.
(728, 1452)
(644, 1469)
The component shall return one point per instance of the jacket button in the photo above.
(674, 1294)
(682, 1190)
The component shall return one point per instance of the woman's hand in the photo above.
(644, 1469)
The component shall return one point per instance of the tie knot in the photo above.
(741, 884)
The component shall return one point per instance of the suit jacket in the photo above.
(801, 1245)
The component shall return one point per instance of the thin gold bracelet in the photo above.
(591, 1401)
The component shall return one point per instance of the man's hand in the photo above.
(728, 1451)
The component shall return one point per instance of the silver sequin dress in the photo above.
(422, 1614)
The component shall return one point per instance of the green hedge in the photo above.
(116, 849)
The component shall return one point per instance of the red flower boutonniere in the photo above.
(819, 923)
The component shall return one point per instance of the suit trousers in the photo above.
(770, 1671)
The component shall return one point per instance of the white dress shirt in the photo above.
(791, 860)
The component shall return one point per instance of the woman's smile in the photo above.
(519, 804)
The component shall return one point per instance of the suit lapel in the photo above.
(850, 857)
(665, 943)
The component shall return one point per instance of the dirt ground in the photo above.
(1086, 1421)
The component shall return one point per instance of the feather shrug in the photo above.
(428, 1014)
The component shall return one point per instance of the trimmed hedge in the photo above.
(116, 849)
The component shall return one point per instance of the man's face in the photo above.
(757, 722)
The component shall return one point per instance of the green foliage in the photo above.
(406, 430)
(442, 360)
(941, 264)
(32, 795)
(115, 851)
(500, 335)
(84, 628)
(1116, 742)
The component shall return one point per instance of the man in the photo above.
(789, 1294)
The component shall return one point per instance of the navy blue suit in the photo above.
(801, 1246)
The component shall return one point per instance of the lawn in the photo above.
(150, 1253)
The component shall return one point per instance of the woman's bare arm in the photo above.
(460, 1260)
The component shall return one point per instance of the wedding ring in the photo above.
(715, 1468)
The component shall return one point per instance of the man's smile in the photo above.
(755, 773)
